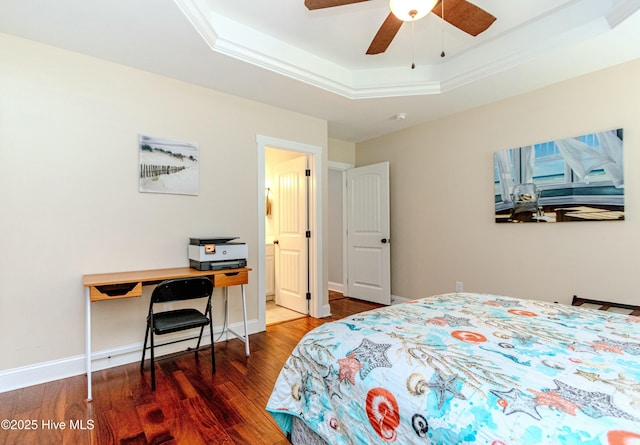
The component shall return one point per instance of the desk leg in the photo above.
(244, 316)
(226, 308)
(244, 319)
(245, 337)
(87, 348)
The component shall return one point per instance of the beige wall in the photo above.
(442, 213)
(342, 151)
(69, 127)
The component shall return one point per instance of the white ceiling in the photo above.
(314, 62)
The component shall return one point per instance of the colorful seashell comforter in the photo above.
(467, 369)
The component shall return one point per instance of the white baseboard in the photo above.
(48, 371)
(337, 287)
(43, 372)
(395, 299)
(325, 311)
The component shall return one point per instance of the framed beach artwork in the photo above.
(574, 179)
(168, 166)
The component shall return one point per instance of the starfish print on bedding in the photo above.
(371, 355)
(518, 402)
(443, 384)
(592, 403)
(603, 346)
(348, 368)
(455, 322)
(627, 346)
(552, 399)
(332, 381)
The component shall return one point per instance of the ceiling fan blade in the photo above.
(385, 35)
(465, 16)
(321, 4)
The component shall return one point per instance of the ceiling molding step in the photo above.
(622, 11)
(519, 57)
(198, 20)
(572, 23)
(575, 23)
(248, 45)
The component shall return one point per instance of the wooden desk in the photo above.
(110, 286)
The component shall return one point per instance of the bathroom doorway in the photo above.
(286, 225)
(317, 288)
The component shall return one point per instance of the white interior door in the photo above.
(368, 249)
(291, 252)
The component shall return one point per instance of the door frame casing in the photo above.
(343, 167)
(314, 154)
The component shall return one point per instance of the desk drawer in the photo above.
(231, 279)
(112, 291)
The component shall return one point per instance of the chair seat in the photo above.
(172, 321)
(179, 289)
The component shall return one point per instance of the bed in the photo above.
(465, 369)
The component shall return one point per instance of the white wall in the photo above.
(69, 127)
(442, 210)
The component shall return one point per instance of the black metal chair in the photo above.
(159, 323)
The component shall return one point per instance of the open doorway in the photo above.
(317, 306)
(286, 228)
(359, 233)
(337, 228)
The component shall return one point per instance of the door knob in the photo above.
(276, 242)
(384, 241)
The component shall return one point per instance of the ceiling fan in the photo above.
(460, 13)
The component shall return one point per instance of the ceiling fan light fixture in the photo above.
(407, 10)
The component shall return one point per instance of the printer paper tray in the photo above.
(217, 265)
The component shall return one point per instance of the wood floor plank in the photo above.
(190, 406)
(124, 423)
(156, 421)
(78, 411)
(8, 405)
(209, 426)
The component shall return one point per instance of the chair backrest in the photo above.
(526, 192)
(182, 289)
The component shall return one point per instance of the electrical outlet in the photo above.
(459, 286)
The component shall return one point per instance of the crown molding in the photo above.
(577, 21)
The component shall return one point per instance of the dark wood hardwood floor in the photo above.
(190, 406)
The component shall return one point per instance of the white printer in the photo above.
(217, 253)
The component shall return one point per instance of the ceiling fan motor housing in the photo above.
(407, 10)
